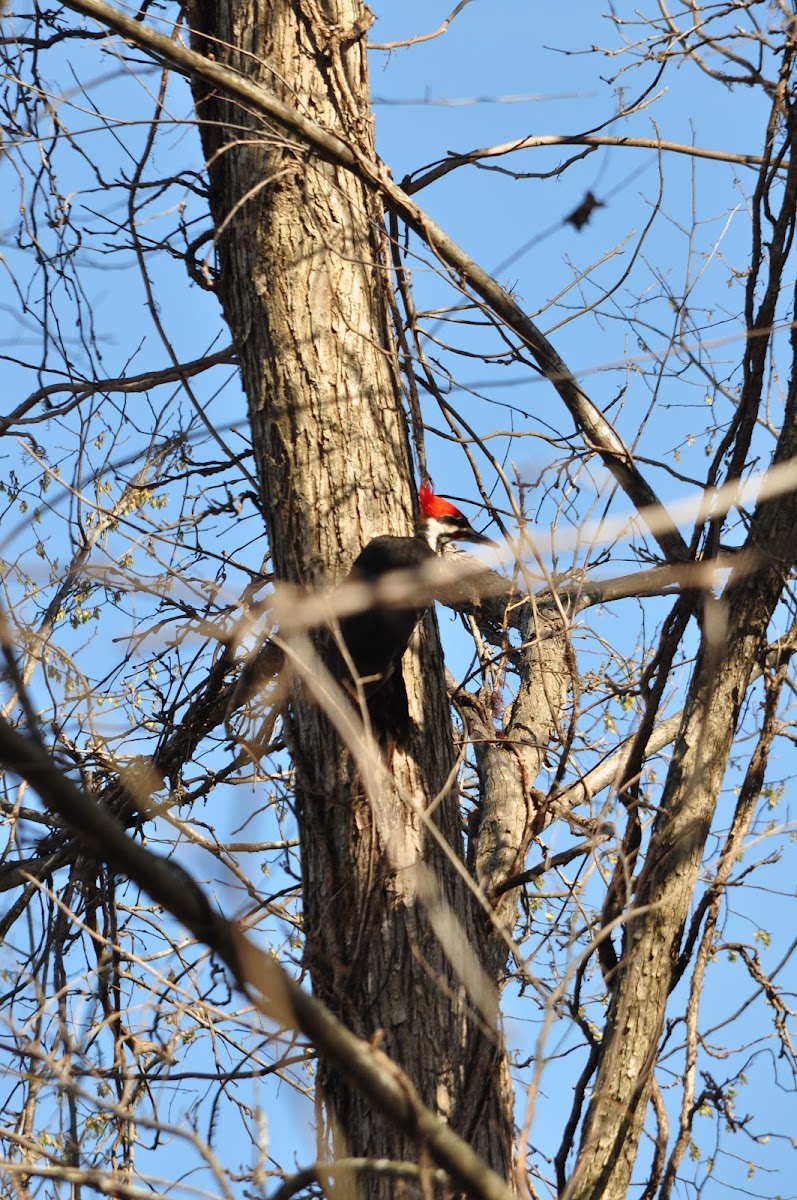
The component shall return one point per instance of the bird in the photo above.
(366, 648)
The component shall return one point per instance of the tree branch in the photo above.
(454, 161)
(276, 995)
(75, 392)
(596, 431)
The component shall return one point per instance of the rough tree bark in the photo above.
(396, 943)
(665, 889)
(733, 645)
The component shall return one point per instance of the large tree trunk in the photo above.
(734, 642)
(395, 942)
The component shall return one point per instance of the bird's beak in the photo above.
(480, 539)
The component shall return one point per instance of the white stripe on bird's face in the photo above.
(439, 531)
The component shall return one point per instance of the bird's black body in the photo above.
(376, 638)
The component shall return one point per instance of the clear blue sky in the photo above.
(502, 70)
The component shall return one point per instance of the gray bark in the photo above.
(734, 644)
(396, 943)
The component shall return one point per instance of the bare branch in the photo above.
(534, 141)
(275, 993)
(596, 430)
(421, 37)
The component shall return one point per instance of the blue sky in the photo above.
(502, 70)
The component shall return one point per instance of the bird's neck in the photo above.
(434, 533)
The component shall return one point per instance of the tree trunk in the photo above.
(734, 642)
(394, 940)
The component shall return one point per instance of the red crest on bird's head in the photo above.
(435, 506)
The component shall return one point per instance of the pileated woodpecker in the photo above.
(375, 639)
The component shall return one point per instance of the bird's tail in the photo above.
(385, 698)
(389, 712)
